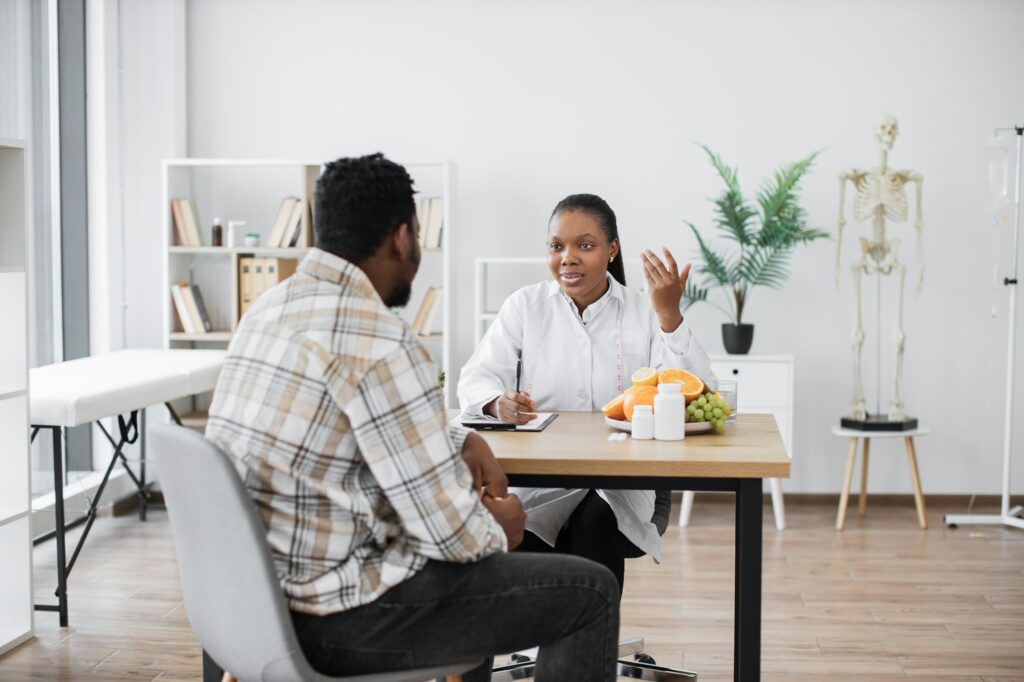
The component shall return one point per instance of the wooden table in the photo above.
(574, 452)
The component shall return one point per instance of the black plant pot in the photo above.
(737, 338)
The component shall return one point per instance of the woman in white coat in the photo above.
(580, 337)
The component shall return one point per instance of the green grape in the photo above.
(702, 401)
(698, 415)
(691, 408)
(717, 412)
(719, 426)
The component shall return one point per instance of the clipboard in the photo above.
(491, 424)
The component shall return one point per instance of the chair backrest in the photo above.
(232, 594)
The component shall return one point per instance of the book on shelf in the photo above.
(423, 216)
(421, 313)
(284, 214)
(204, 315)
(428, 322)
(423, 323)
(293, 230)
(186, 221)
(435, 224)
(181, 308)
(311, 177)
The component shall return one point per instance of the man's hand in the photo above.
(486, 471)
(512, 408)
(667, 285)
(508, 512)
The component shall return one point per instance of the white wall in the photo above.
(536, 100)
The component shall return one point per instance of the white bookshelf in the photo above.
(16, 611)
(251, 190)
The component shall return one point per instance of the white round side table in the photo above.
(851, 459)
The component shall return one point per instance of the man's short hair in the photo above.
(359, 201)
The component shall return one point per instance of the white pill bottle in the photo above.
(669, 413)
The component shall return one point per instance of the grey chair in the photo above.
(231, 590)
(641, 666)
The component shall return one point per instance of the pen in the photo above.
(519, 371)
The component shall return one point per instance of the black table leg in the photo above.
(211, 671)
(58, 513)
(747, 625)
(143, 491)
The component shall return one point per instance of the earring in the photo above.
(611, 259)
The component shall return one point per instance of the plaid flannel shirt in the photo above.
(331, 411)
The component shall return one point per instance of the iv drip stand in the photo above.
(1007, 516)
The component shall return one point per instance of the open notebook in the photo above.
(491, 424)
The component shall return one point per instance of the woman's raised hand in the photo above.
(667, 285)
(512, 408)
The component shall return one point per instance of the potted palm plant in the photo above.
(764, 235)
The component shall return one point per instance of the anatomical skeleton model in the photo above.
(879, 195)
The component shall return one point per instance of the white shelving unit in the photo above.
(16, 611)
(251, 190)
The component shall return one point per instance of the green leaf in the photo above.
(777, 199)
(693, 294)
(711, 263)
(765, 266)
(729, 175)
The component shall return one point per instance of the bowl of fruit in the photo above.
(706, 410)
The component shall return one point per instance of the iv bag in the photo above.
(997, 152)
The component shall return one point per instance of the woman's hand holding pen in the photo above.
(512, 407)
(667, 285)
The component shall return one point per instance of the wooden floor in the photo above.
(880, 601)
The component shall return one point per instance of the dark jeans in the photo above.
(463, 612)
(592, 532)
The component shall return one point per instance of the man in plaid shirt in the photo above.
(389, 528)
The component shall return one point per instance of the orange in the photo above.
(645, 376)
(638, 395)
(613, 409)
(692, 386)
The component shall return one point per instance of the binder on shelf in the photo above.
(184, 318)
(275, 271)
(204, 316)
(245, 283)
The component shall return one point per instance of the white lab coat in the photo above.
(574, 364)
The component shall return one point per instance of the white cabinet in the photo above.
(16, 624)
(764, 385)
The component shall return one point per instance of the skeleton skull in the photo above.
(886, 130)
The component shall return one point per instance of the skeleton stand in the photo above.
(1007, 516)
